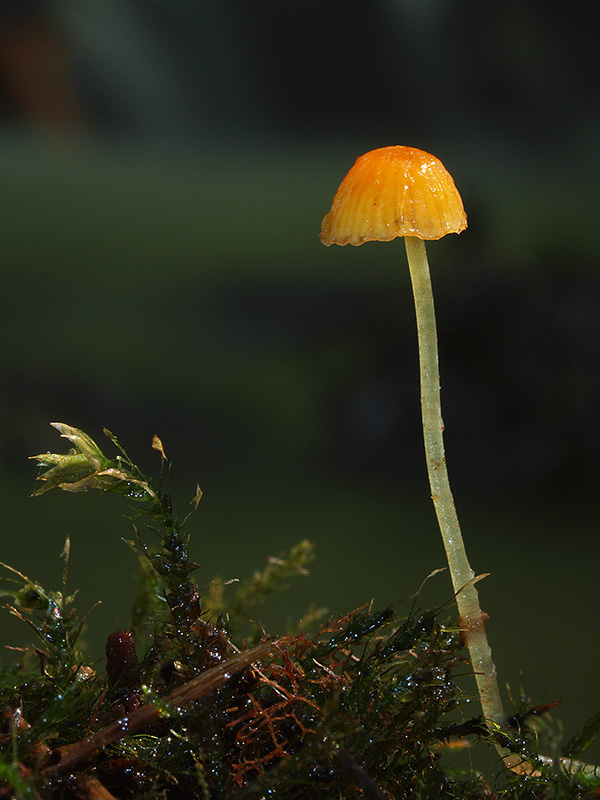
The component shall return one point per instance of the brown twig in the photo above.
(147, 714)
(92, 788)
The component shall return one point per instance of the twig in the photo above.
(147, 714)
(93, 789)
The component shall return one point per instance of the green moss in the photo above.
(366, 705)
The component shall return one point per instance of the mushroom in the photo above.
(401, 191)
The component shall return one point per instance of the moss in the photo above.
(197, 702)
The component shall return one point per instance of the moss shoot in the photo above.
(196, 700)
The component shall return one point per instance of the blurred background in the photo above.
(164, 168)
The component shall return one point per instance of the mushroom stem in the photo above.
(472, 619)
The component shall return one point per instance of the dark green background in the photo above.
(162, 273)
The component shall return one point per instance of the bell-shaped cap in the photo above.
(390, 192)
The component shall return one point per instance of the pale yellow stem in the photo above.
(472, 619)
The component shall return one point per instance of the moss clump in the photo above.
(195, 702)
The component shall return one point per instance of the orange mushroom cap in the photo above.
(390, 192)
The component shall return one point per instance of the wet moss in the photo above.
(195, 701)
